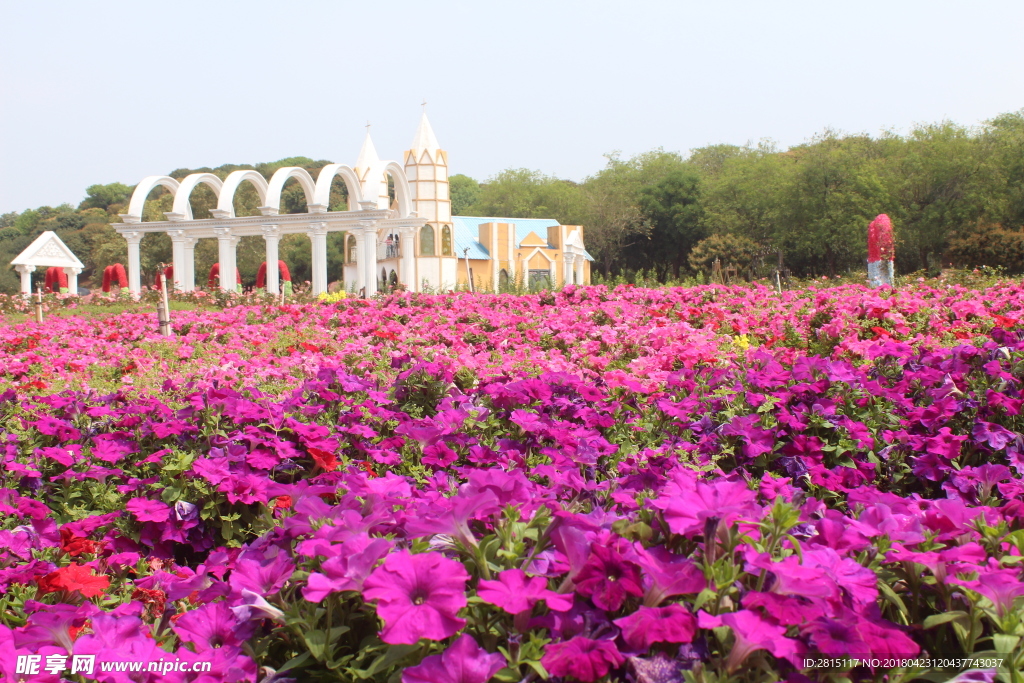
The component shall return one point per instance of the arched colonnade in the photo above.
(368, 223)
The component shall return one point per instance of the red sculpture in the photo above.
(114, 273)
(56, 280)
(261, 274)
(214, 278)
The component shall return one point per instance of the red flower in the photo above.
(154, 599)
(74, 577)
(283, 502)
(310, 347)
(324, 459)
(368, 468)
(76, 545)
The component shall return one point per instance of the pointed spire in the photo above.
(368, 154)
(425, 138)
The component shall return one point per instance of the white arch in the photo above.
(226, 201)
(142, 190)
(322, 194)
(402, 192)
(281, 176)
(182, 201)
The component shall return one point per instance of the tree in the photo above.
(672, 207)
(102, 196)
(464, 193)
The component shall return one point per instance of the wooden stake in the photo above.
(39, 304)
(164, 311)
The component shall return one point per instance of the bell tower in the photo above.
(426, 166)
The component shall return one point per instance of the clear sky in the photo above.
(98, 92)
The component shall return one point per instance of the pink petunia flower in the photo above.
(146, 510)
(418, 596)
(582, 658)
(463, 662)
(649, 625)
(515, 593)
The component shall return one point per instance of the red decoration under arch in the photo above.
(168, 274)
(214, 278)
(114, 274)
(261, 274)
(56, 279)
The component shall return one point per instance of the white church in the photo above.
(410, 239)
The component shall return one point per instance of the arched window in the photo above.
(502, 280)
(446, 241)
(392, 280)
(351, 253)
(427, 240)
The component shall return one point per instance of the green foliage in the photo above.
(464, 193)
(102, 196)
(731, 250)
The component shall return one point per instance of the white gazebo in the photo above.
(47, 251)
(369, 221)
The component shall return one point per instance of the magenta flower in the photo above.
(212, 626)
(146, 510)
(261, 575)
(751, 633)
(463, 662)
(418, 596)
(649, 625)
(607, 578)
(348, 569)
(729, 501)
(669, 575)
(513, 593)
(582, 658)
(1002, 587)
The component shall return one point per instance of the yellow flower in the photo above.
(331, 298)
(742, 341)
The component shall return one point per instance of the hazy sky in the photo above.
(97, 92)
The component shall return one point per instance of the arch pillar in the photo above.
(569, 269)
(272, 237)
(318, 238)
(408, 263)
(72, 274)
(369, 267)
(134, 262)
(360, 257)
(580, 259)
(188, 272)
(226, 258)
(178, 238)
(26, 278)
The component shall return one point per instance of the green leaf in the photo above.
(939, 619)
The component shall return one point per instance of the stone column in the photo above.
(360, 257)
(178, 257)
(567, 267)
(580, 262)
(226, 258)
(369, 266)
(552, 274)
(134, 262)
(272, 237)
(188, 274)
(26, 278)
(72, 274)
(409, 259)
(318, 237)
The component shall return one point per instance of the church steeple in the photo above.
(365, 163)
(425, 138)
(426, 166)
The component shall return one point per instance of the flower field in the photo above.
(650, 485)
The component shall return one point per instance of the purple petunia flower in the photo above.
(212, 626)
(348, 569)
(146, 510)
(418, 596)
(582, 658)
(607, 578)
(649, 625)
(514, 593)
(752, 633)
(463, 662)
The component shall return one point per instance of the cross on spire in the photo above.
(367, 125)
(424, 105)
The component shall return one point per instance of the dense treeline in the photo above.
(955, 194)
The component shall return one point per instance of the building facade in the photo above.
(487, 253)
